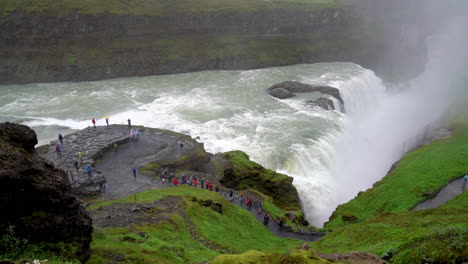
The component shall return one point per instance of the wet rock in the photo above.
(280, 93)
(324, 103)
(37, 196)
(281, 90)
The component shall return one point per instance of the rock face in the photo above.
(35, 196)
(287, 89)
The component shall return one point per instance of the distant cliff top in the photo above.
(154, 7)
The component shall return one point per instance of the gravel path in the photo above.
(447, 193)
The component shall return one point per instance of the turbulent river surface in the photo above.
(331, 155)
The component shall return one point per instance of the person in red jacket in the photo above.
(194, 182)
(94, 122)
(175, 181)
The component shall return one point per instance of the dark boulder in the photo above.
(298, 87)
(280, 93)
(35, 195)
(324, 103)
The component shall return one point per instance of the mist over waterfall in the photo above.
(380, 126)
(331, 155)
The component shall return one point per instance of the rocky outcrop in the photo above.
(157, 153)
(287, 89)
(240, 173)
(35, 195)
(324, 103)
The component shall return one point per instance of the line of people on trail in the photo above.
(192, 181)
(249, 203)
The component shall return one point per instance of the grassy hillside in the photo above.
(153, 7)
(427, 236)
(194, 234)
(295, 256)
(418, 176)
(251, 175)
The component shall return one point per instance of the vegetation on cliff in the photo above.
(427, 236)
(152, 7)
(187, 230)
(379, 221)
(246, 174)
(40, 214)
(419, 175)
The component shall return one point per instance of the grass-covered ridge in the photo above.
(295, 256)
(154, 7)
(419, 175)
(427, 236)
(195, 235)
(247, 174)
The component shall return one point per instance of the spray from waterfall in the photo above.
(380, 126)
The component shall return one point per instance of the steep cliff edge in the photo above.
(59, 41)
(35, 196)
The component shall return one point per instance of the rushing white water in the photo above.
(332, 156)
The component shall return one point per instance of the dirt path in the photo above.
(272, 225)
(447, 193)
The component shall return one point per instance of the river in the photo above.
(331, 155)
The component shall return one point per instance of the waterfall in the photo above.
(379, 126)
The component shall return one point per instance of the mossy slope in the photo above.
(196, 235)
(419, 175)
(295, 256)
(246, 174)
(426, 236)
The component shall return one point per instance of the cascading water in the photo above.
(331, 155)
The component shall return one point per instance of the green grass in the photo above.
(419, 174)
(155, 7)
(252, 256)
(21, 250)
(250, 175)
(235, 231)
(434, 235)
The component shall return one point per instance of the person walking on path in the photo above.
(181, 145)
(195, 181)
(281, 225)
(80, 155)
(134, 172)
(75, 163)
(115, 147)
(89, 169)
(106, 188)
(241, 197)
(259, 207)
(266, 219)
(249, 202)
(58, 149)
(107, 120)
(132, 134)
(129, 123)
(202, 182)
(231, 194)
(175, 181)
(60, 137)
(94, 122)
(137, 134)
(465, 179)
